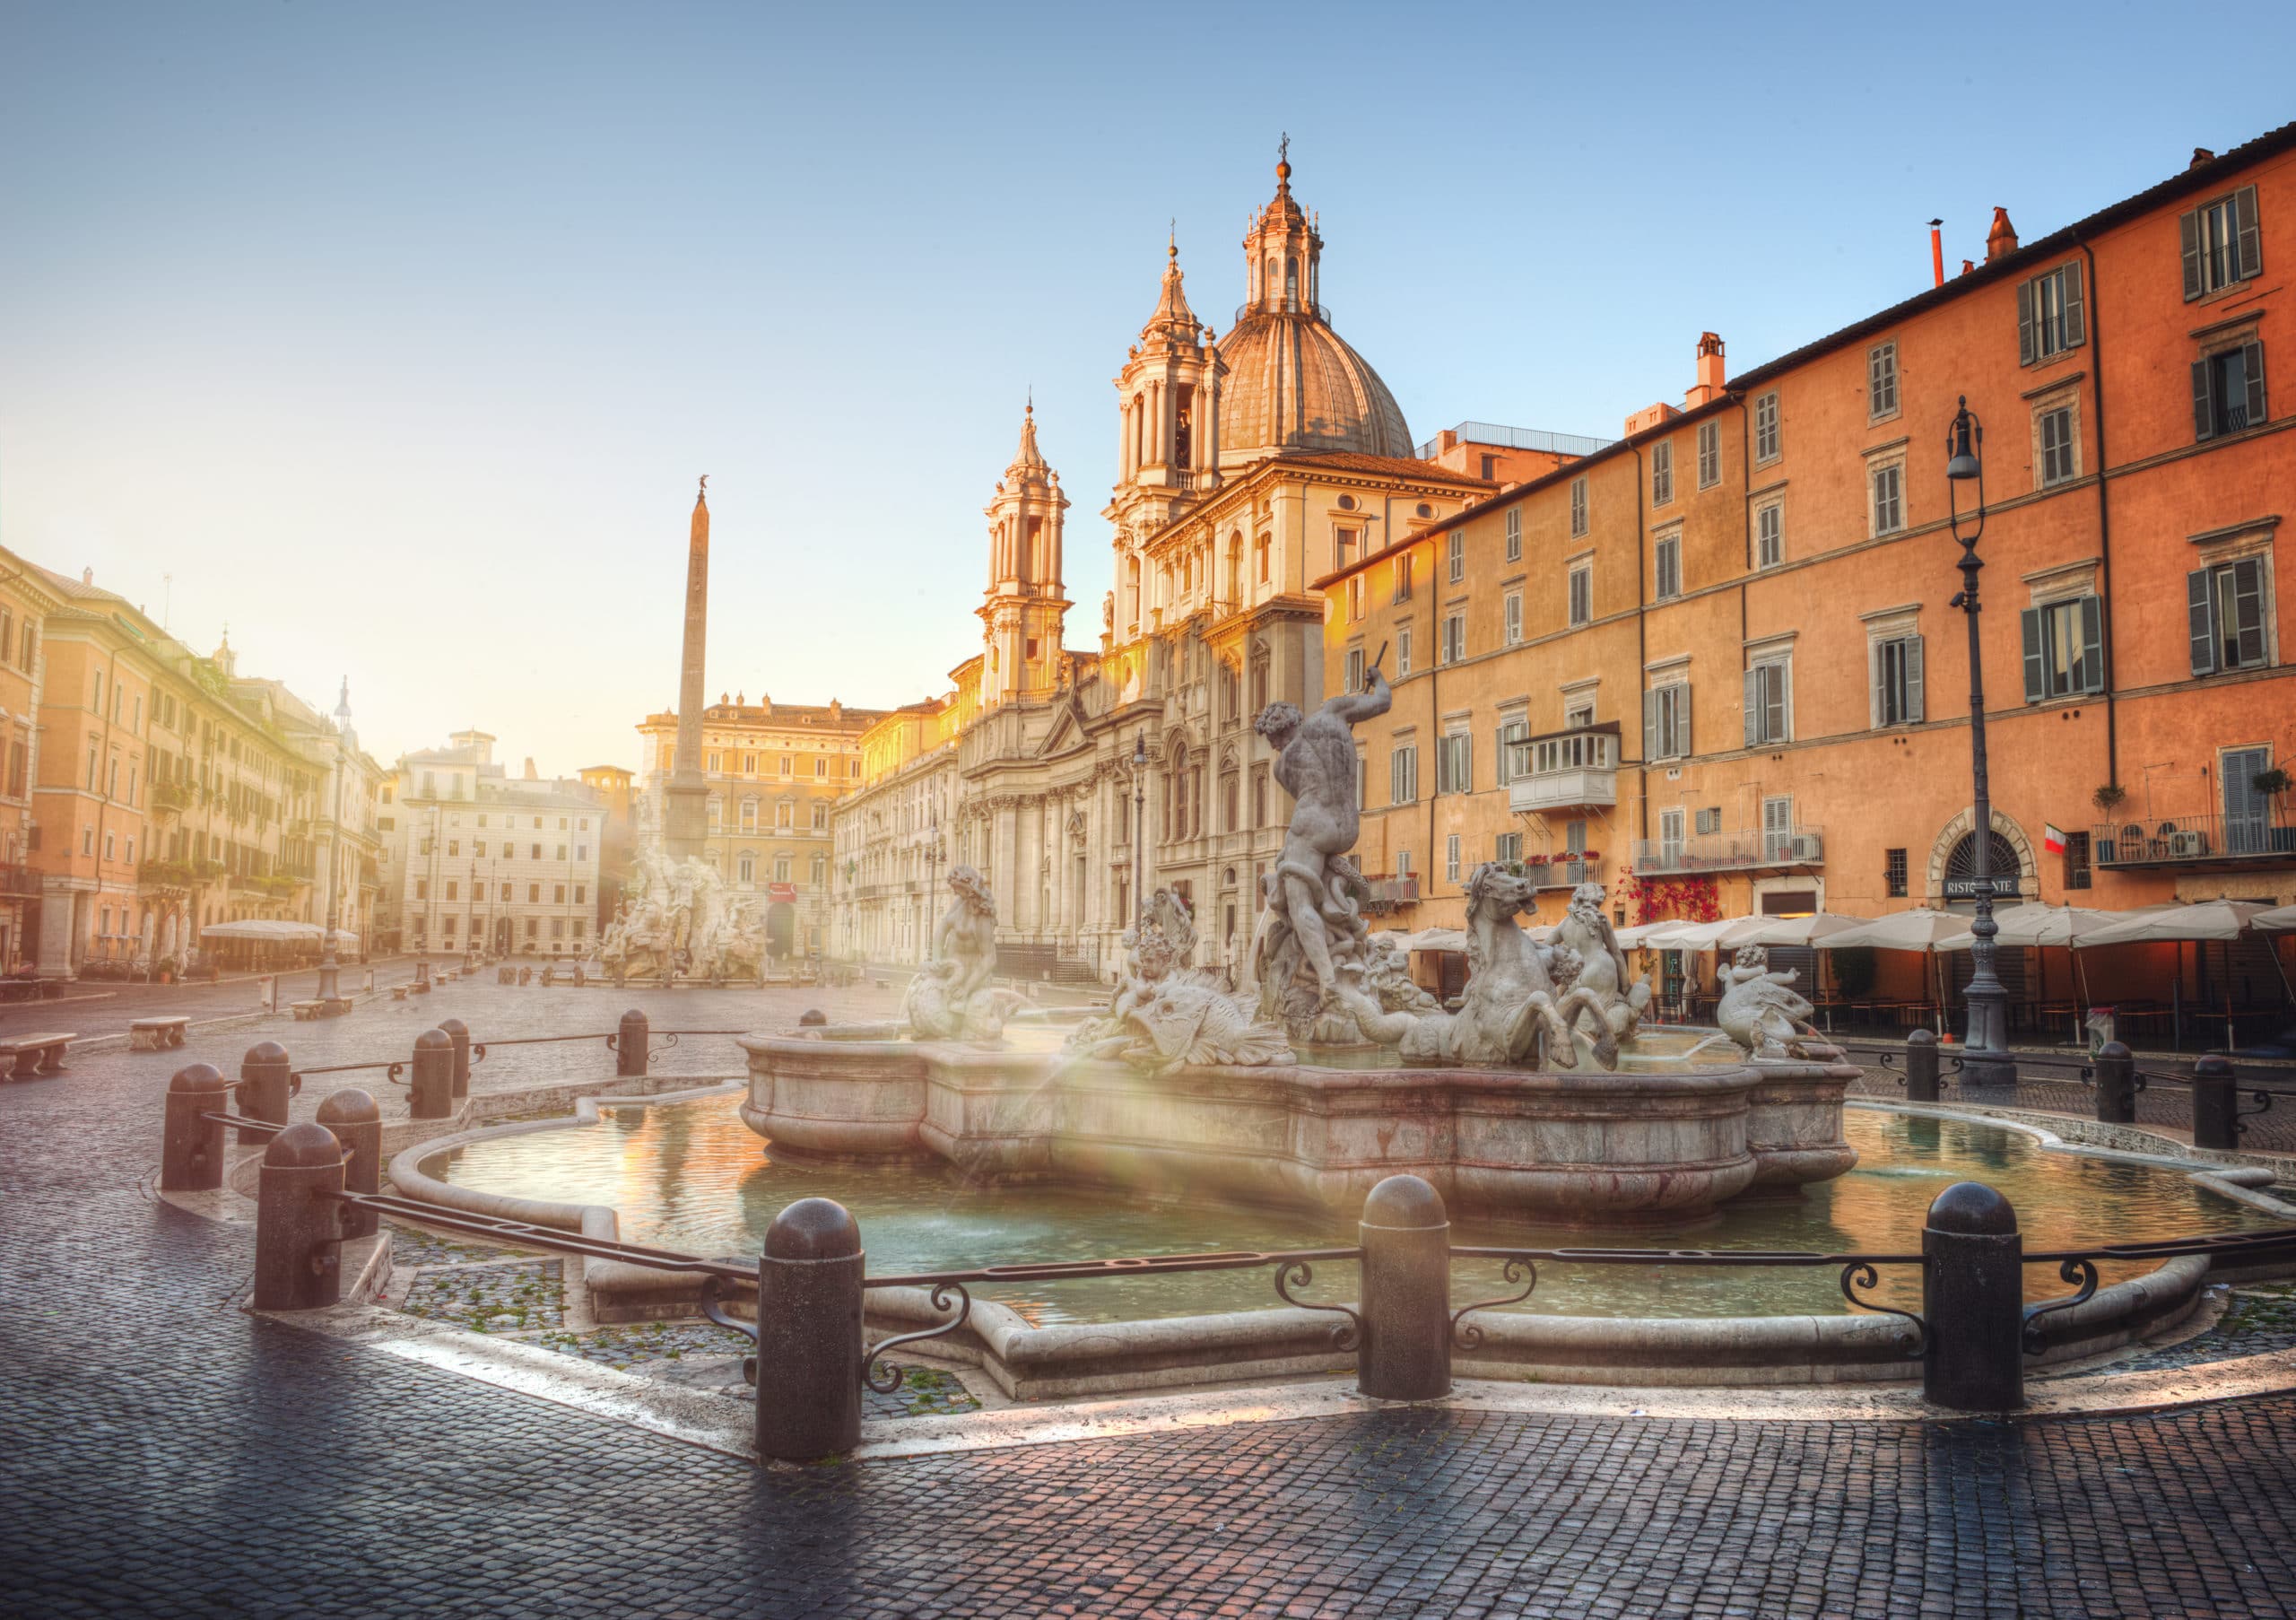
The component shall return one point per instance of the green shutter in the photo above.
(1651, 745)
(1773, 714)
(2200, 617)
(1684, 747)
(1753, 707)
(2203, 403)
(2252, 362)
(2035, 683)
(2247, 610)
(2024, 323)
(1913, 711)
(2250, 257)
(2189, 228)
(2076, 332)
(2090, 672)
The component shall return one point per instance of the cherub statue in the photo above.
(950, 999)
(1760, 1010)
(1601, 970)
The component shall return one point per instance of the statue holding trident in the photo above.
(1312, 927)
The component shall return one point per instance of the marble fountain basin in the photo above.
(1664, 1137)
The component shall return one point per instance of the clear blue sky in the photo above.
(397, 334)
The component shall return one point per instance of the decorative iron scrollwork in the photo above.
(883, 1378)
(713, 1292)
(394, 1073)
(478, 1052)
(1860, 1274)
(1515, 1271)
(663, 1043)
(2080, 1271)
(2263, 1101)
(1344, 1336)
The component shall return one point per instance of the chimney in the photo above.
(1936, 253)
(2002, 239)
(87, 576)
(531, 776)
(2201, 154)
(1709, 371)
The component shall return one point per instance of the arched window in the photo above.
(1268, 286)
(2000, 857)
(1291, 283)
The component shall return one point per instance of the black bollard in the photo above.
(1921, 1067)
(431, 1079)
(192, 1150)
(266, 1080)
(1405, 1353)
(1973, 1300)
(2116, 1067)
(298, 1241)
(629, 1043)
(2215, 1104)
(357, 1121)
(458, 1033)
(809, 1332)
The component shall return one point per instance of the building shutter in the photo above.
(1913, 711)
(2024, 323)
(2092, 644)
(2252, 362)
(2200, 614)
(1877, 675)
(1753, 707)
(2075, 331)
(2244, 216)
(1773, 712)
(2247, 609)
(1464, 742)
(2189, 228)
(1682, 721)
(1653, 747)
(2204, 405)
(2035, 683)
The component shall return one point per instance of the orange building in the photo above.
(1718, 666)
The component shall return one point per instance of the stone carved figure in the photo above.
(1386, 975)
(1166, 1013)
(1760, 1010)
(680, 918)
(1618, 997)
(1512, 1012)
(1312, 924)
(950, 997)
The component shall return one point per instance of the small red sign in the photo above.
(782, 893)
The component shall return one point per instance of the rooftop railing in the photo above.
(1516, 439)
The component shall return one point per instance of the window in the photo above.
(1455, 552)
(533, 895)
(1513, 617)
(2050, 317)
(1262, 546)
(1403, 863)
(1451, 859)
(1882, 380)
(1896, 681)
(1582, 593)
(2077, 860)
(2220, 243)
(1893, 873)
(1402, 650)
(1403, 775)
(1454, 636)
(1670, 840)
(1766, 427)
(781, 868)
(711, 764)
(1514, 548)
(558, 894)
(2228, 391)
(1577, 506)
(1710, 454)
(1402, 577)
(1665, 722)
(2226, 609)
(1354, 669)
(1355, 598)
(1889, 498)
(2059, 461)
(1769, 703)
(1514, 749)
(421, 888)
(1454, 763)
(561, 852)
(787, 766)
(1778, 830)
(533, 927)
(450, 889)
(2065, 649)
(1709, 820)
(1343, 546)
(1770, 535)
(536, 850)
(1662, 471)
(1506, 849)
(1670, 567)
(1259, 796)
(821, 764)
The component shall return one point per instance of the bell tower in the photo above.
(1023, 609)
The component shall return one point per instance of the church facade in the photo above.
(1250, 466)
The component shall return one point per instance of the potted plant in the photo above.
(2107, 797)
(2273, 784)
(166, 969)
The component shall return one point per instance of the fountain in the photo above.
(1542, 1095)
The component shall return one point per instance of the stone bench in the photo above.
(305, 1010)
(157, 1035)
(25, 1055)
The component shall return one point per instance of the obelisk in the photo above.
(685, 802)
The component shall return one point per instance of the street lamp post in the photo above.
(1139, 820)
(1985, 1054)
(330, 972)
(931, 870)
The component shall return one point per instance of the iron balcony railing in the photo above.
(1564, 769)
(1515, 438)
(1773, 849)
(21, 881)
(1388, 893)
(1564, 871)
(2168, 841)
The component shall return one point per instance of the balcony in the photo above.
(1796, 848)
(1386, 893)
(171, 798)
(1564, 871)
(19, 881)
(1564, 770)
(2196, 843)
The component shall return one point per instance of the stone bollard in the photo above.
(298, 1241)
(421, 986)
(458, 1033)
(2116, 1067)
(266, 1080)
(1973, 1300)
(357, 1121)
(1921, 1067)
(809, 1357)
(630, 1044)
(1405, 1353)
(192, 1150)
(431, 1079)
(2215, 1104)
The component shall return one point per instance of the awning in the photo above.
(1919, 928)
(1817, 929)
(2279, 919)
(2029, 926)
(2210, 919)
(262, 928)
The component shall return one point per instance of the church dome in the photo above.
(1292, 383)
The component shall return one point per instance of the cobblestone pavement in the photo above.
(166, 1455)
(2059, 1090)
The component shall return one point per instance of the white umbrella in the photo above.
(1696, 936)
(2038, 926)
(2277, 920)
(1921, 929)
(1437, 939)
(1817, 929)
(2210, 919)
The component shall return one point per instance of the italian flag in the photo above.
(2052, 839)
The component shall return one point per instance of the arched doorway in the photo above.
(2001, 862)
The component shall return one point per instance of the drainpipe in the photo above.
(1641, 638)
(2104, 508)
